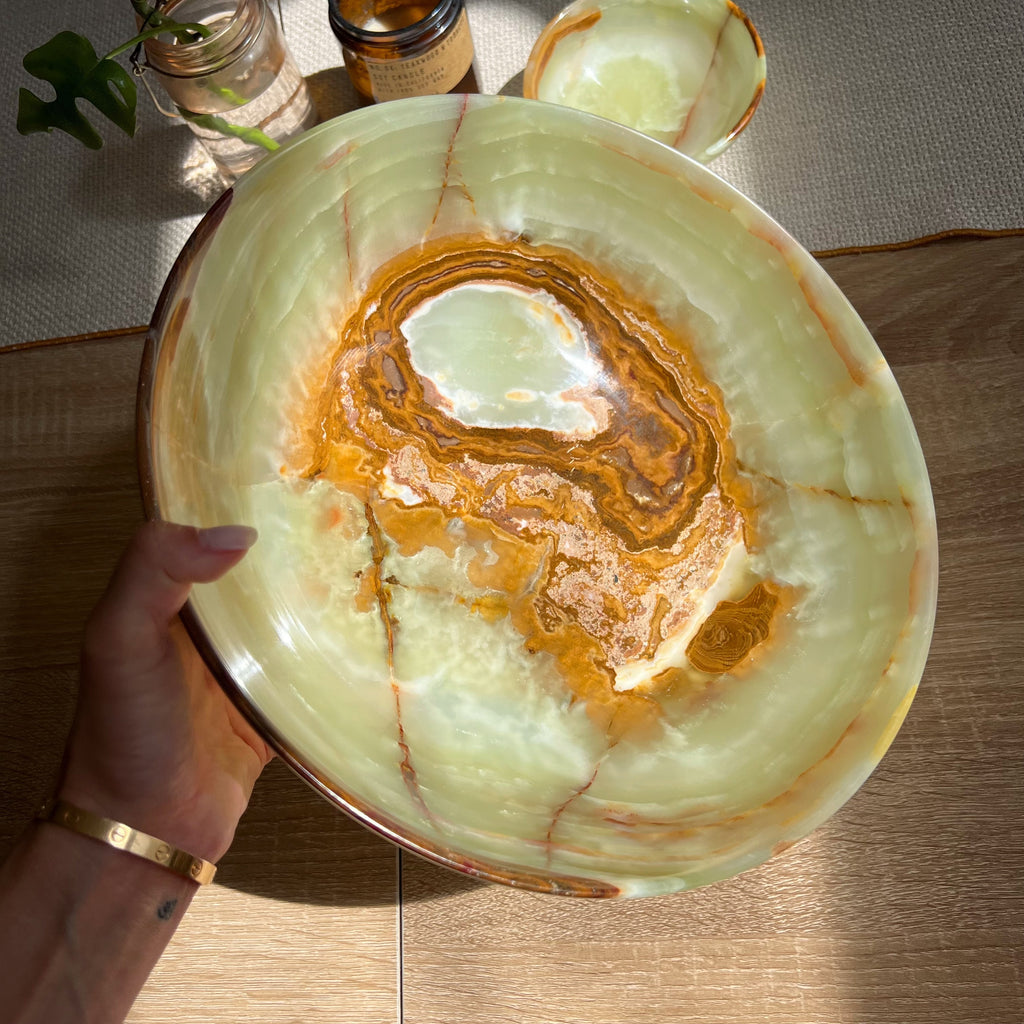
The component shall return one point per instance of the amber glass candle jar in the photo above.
(399, 48)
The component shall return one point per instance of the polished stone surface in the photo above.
(597, 550)
(689, 73)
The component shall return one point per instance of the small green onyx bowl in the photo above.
(689, 73)
(597, 553)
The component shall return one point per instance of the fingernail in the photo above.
(228, 538)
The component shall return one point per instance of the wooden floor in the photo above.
(906, 908)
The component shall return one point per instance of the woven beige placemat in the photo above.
(881, 122)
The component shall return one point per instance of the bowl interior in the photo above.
(596, 550)
(689, 73)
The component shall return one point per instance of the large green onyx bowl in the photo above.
(597, 553)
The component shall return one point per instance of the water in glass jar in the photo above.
(240, 74)
(283, 109)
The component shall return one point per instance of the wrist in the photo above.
(181, 829)
(120, 836)
(84, 924)
(88, 865)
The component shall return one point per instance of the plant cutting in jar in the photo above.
(70, 64)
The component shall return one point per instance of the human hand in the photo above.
(155, 742)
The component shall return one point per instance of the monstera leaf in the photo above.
(70, 64)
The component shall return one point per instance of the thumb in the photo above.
(151, 583)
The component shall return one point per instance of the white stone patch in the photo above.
(503, 356)
(733, 580)
(391, 488)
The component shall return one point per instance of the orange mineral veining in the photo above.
(732, 630)
(597, 547)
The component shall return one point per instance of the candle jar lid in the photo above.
(393, 51)
(411, 28)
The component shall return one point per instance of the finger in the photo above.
(151, 584)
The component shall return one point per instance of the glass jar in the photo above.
(399, 48)
(238, 88)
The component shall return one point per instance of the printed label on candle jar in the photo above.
(437, 71)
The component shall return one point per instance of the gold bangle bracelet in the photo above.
(131, 840)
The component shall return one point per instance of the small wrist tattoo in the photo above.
(165, 910)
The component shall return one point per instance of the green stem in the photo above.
(158, 30)
(231, 96)
(217, 124)
(152, 17)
